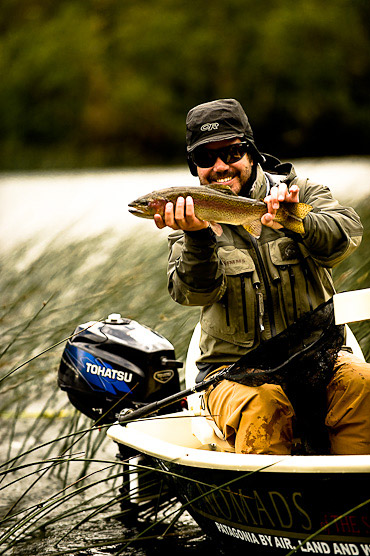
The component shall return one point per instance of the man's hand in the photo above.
(277, 195)
(182, 217)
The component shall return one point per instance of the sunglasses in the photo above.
(206, 158)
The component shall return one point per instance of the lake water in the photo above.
(87, 202)
(41, 206)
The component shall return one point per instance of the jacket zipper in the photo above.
(269, 303)
(244, 303)
(226, 305)
(305, 271)
(260, 307)
(292, 282)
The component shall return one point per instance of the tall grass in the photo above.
(44, 442)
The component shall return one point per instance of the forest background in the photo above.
(107, 83)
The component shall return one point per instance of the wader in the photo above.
(260, 420)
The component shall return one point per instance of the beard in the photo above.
(243, 178)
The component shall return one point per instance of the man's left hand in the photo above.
(278, 194)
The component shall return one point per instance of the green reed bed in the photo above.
(56, 467)
(45, 443)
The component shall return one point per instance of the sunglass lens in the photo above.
(205, 158)
(234, 153)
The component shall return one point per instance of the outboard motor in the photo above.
(120, 364)
(117, 363)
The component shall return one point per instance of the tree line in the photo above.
(108, 83)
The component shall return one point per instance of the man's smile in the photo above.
(224, 180)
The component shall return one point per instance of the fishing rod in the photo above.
(313, 341)
(127, 415)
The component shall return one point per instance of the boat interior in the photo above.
(192, 438)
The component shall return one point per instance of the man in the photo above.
(252, 289)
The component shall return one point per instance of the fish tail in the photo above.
(290, 215)
(292, 223)
(299, 210)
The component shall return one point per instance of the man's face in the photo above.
(234, 175)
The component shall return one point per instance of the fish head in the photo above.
(147, 206)
(221, 188)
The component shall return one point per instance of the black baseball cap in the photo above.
(218, 120)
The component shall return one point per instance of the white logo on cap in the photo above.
(209, 127)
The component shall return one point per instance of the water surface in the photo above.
(85, 203)
(69, 205)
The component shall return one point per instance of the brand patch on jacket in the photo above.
(288, 251)
(234, 261)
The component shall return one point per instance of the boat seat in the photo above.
(203, 426)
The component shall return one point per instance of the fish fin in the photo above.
(290, 215)
(299, 210)
(254, 227)
(217, 228)
(293, 224)
(222, 188)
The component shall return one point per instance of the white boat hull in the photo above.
(268, 504)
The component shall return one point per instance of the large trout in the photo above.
(219, 205)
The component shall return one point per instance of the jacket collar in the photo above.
(284, 171)
(273, 171)
(261, 186)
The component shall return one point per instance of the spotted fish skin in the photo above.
(221, 206)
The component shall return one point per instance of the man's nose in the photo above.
(220, 165)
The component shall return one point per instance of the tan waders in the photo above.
(259, 420)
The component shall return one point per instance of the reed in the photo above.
(57, 470)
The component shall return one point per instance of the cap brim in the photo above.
(213, 138)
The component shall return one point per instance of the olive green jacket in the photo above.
(251, 289)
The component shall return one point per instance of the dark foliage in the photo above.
(108, 83)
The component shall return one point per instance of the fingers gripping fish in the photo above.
(219, 205)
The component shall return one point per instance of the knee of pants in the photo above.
(269, 400)
(348, 393)
(264, 411)
(266, 425)
(230, 397)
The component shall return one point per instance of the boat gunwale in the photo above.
(133, 436)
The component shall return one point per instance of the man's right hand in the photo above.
(182, 217)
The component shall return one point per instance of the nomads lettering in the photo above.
(270, 509)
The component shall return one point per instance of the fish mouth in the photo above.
(133, 209)
(138, 212)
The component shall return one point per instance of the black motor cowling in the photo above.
(114, 364)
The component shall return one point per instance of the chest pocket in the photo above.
(233, 318)
(288, 273)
